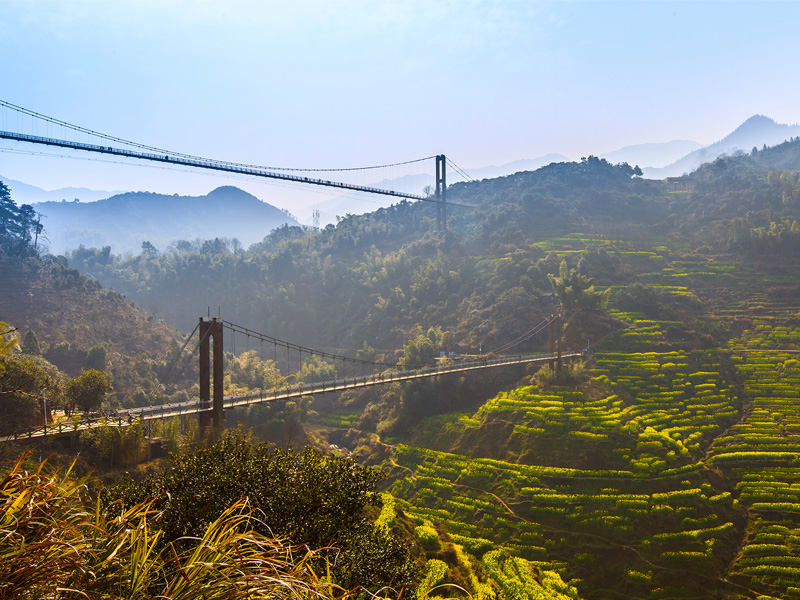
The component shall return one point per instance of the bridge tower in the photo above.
(211, 337)
(555, 342)
(441, 192)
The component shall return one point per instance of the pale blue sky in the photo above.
(350, 82)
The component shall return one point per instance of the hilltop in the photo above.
(125, 221)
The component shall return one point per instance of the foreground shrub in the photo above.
(310, 498)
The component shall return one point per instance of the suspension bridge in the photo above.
(100, 143)
(211, 405)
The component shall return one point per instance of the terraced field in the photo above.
(630, 525)
(669, 474)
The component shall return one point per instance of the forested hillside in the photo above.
(376, 277)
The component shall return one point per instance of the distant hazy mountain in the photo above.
(652, 155)
(757, 131)
(24, 193)
(126, 220)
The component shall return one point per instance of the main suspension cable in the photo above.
(524, 337)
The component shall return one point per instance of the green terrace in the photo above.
(546, 514)
(617, 466)
(646, 334)
(342, 418)
(762, 455)
(579, 242)
(768, 335)
(665, 457)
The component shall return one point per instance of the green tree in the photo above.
(575, 291)
(316, 369)
(117, 445)
(97, 357)
(148, 249)
(23, 382)
(249, 371)
(8, 338)
(417, 352)
(88, 390)
(30, 344)
(366, 352)
(19, 225)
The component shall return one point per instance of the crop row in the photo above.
(643, 415)
(670, 412)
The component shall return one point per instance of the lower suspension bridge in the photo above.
(212, 403)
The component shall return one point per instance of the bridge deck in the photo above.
(164, 411)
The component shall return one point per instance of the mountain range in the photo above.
(657, 160)
(25, 193)
(758, 131)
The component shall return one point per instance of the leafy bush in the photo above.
(386, 519)
(435, 573)
(427, 537)
(570, 374)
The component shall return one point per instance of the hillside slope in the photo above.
(664, 467)
(70, 314)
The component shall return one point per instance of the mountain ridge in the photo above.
(25, 193)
